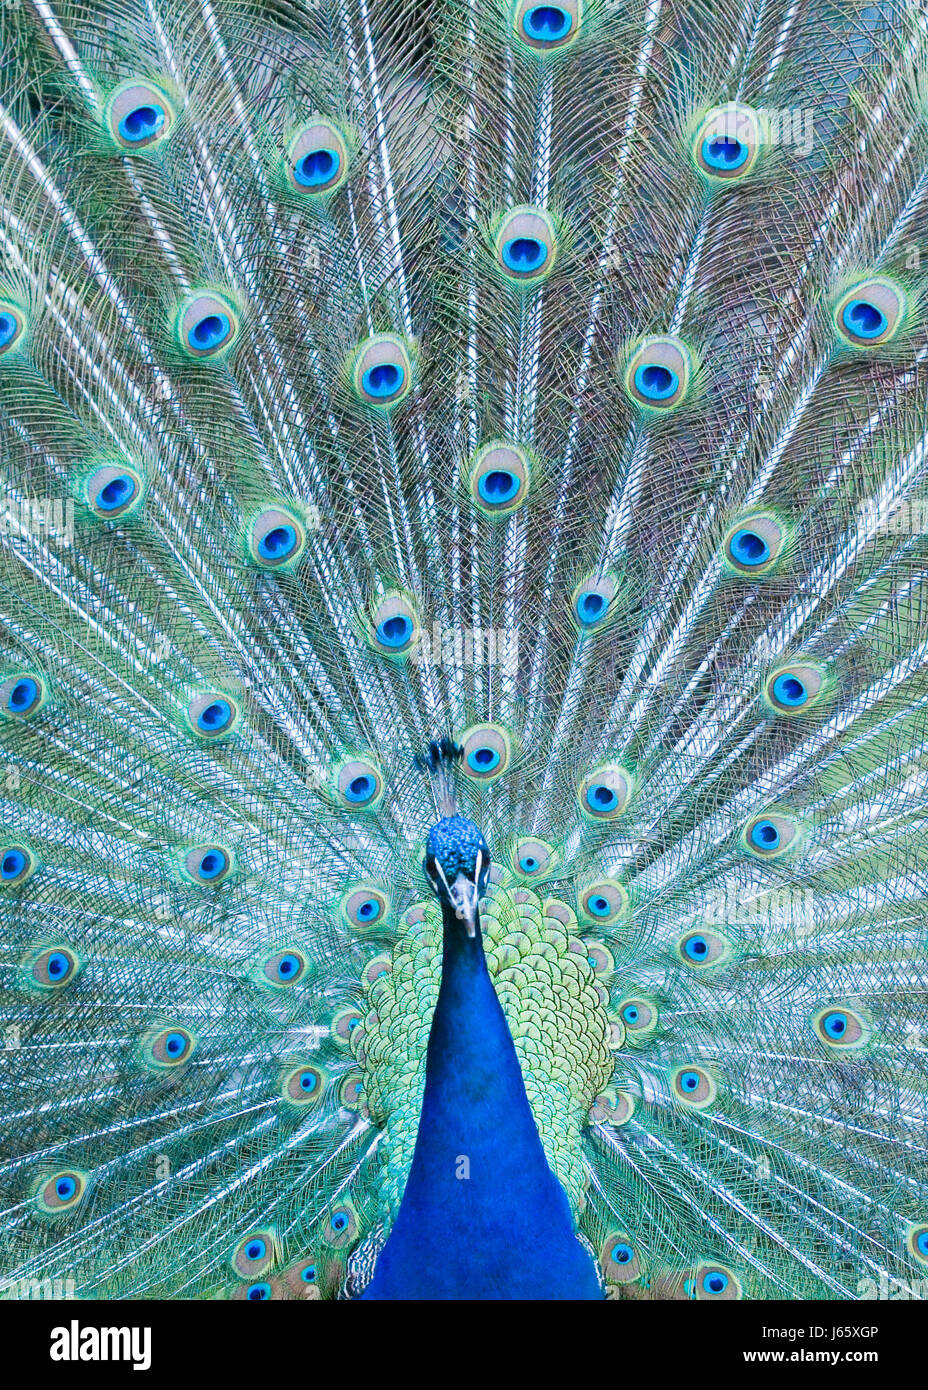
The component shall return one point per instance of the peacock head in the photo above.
(457, 863)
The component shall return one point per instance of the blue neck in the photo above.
(483, 1216)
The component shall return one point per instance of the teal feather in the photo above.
(552, 379)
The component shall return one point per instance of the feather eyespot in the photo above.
(255, 1254)
(871, 312)
(276, 539)
(754, 544)
(500, 478)
(917, 1241)
(639, 1017)
(394, 628)
(359, 784)
(344, 1024)
(658, 372)
(22, 695)
(592, 599)
(341, 1228)
(533, 858)
(605, 792)
(54, 967)
(692, 1086)
(207, 325)
(604, 903)
(613, 1108)
(382, 371)
(12, 326)
(212, 715)
(703, 948)
(168, 1047)
(770, 835)
(304, 1085)
(526, 245)
(545, 27)
(113, 491)
(728, 142)
(317, 158)
(139, 115)
(840, 1026)
(796, 688)
(17, 865)
(365, 908)
(619, 1259)
(487, 752)
(713, 1282)
(61, 1192)
(285, 968)
(207, 864)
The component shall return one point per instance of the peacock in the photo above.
(463, 651)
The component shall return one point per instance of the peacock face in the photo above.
(457, 863)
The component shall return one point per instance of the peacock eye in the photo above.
(592, 600)
(793, 689)
(526, 245)
(276, 538)
(728, 142)
(342, 1227)
(716, 1282)
(533, 858)
(17, 865)
(61, 1192)
(207, 325)
(394, 628)
(12, 326)
(605, 793)
(703, 948)
(692, 1086)
(22, 695)
(317, 158)
(754, 544)
(500, 478)
(207, 864)
(364, 908)
(113, 491)
(139, 115)
(546, 27)
(382, 371)
(870, 313)
(604, 902)
(657, 375)
(359, 784)
(254, 1254)
(841, 1027)
(303, 1085)
(487, 752)
(285, 968)
(212, 715)
(165, 1049)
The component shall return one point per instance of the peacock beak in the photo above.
(464, 901)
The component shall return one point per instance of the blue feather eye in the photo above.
(381, 371)
(841, 1027)
(258, 1292)
(771, 835)
(61, 1192)
(533, 858)
(112, 491)
(54, 968)
(212, 715)
(255, 1254)
(317, 158)
(692, 1086)
(359, 784)
(917, 1241)
(544, 27)
(22, 695)
(365, 908)
(640, 1018)
(138, 116)
(657, 374)
(207, 324)
(604, 902)
(526, 245)
(728, 142)
(276, 539)
(871, 312)
(303, 1086)
(619, 1259)
(285, 968)
(605, 793)
(308, 1274)
(167, 1048)
(755, 543)
(699, 949)
(12, 325)
(394, 628)
(500, 478)
(487, 752)
(207, 864)
(341, 1229)
(716, 1281)
(592, 599)
(795, 688)
(17, 865)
